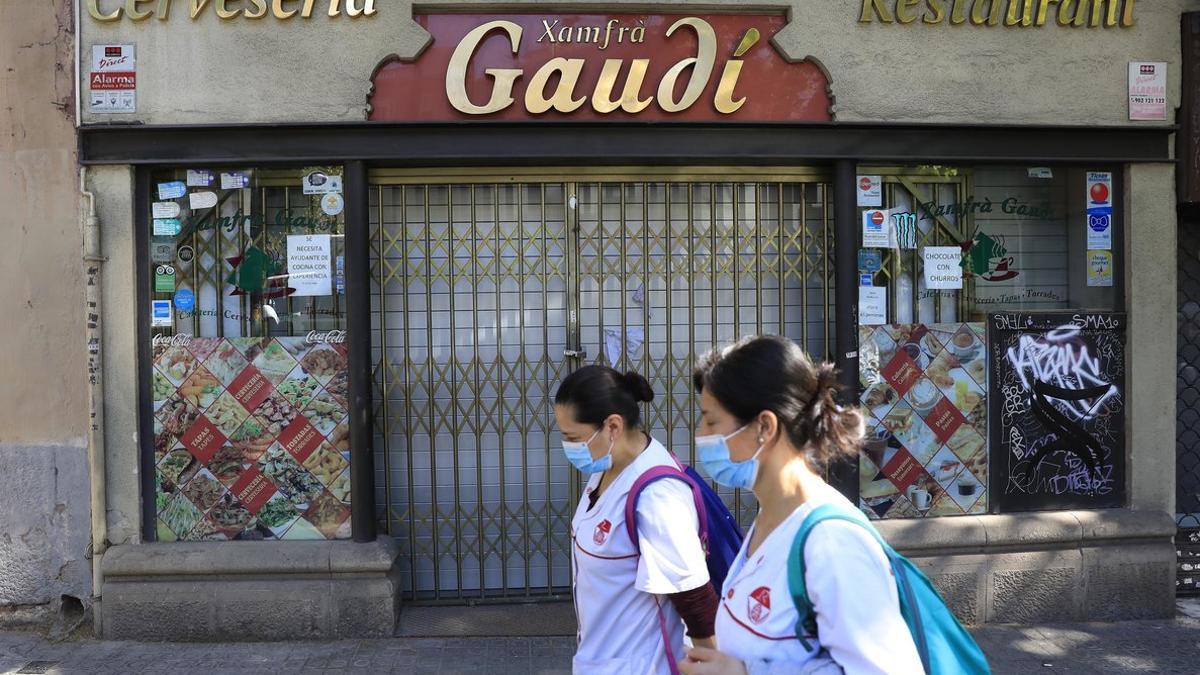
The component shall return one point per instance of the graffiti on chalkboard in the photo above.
(1061, 409)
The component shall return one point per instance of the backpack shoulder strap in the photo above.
(657, 473)
(797, 587)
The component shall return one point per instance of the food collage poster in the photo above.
(925, 392)
(251, 437)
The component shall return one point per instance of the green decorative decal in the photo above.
(988, 259)
(251, 270)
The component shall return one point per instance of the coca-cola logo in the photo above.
(328, 337)
(180, 340)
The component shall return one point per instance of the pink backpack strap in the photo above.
(649, 476)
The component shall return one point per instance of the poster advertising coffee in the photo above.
(1059, 408)
(925, 392)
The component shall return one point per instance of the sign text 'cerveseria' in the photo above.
(228, 10)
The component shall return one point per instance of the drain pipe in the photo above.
(93, 264)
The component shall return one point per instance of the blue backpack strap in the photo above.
(797, 586)
(657, 473)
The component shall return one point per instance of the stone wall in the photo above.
(44, 508)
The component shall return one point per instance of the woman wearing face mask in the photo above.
(633, 603)
(771, 423)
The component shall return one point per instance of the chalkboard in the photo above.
(1058, 410)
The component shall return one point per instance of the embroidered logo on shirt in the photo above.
(758, 605)
(601, 532)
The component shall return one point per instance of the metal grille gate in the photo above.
(1187, 382)
(1187, 424)
(487, 294)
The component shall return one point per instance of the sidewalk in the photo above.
(1128, 647)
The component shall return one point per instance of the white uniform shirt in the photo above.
(850, 584)
(619, 591)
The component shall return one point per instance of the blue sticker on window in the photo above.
(185, 300)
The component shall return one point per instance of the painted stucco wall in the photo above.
(114, 186)
(44, 506)
(1151, 277)
(297, 70)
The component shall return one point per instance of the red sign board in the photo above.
(251, 388)
(253, 489)
(203, 439)
(903, 469)
(622, 67)
(944, 420)
(300, 438)
(113, 81)
(901, 372)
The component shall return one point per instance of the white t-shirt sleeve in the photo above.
(672, 559)
(850, 584)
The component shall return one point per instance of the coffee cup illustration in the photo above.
(913, 351)
(924, 396)
(919, 498)
(962, 345)
(967, 487)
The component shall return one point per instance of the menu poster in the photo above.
(925, 393)
(1059, 440)
(251, 437)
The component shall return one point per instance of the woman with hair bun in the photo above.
(633, 601)
(771, 424)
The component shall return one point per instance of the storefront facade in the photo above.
(352, 248)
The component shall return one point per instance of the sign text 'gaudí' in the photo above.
(528, 66)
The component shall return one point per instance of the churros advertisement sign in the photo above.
(601, 67)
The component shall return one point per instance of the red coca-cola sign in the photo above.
(622, 67)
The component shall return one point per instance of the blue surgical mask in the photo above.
(712, 452)
(580, 456)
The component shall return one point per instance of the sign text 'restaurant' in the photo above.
(1011, 13)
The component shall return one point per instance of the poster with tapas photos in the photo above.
(925, 394)
(251, 437)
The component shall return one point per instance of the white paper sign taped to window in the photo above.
(872, 305)
(943, 267)
(310, 264)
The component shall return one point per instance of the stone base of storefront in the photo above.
(1042, 567)
(248, 591)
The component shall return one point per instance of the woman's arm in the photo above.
(698, 609)
(712, 662)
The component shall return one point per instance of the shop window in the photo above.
(943, 248)
(248, 354)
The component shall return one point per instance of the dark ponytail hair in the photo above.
(596, 392)
(772, 373)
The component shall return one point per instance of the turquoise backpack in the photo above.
(944, 645)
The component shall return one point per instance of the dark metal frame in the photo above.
(494, 144)
(844, 476)
(141, 226)
(358, 145)
(358, 324)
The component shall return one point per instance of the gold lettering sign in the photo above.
(525, 66)
(1008, 13)
(565, 73)
(228, 10)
